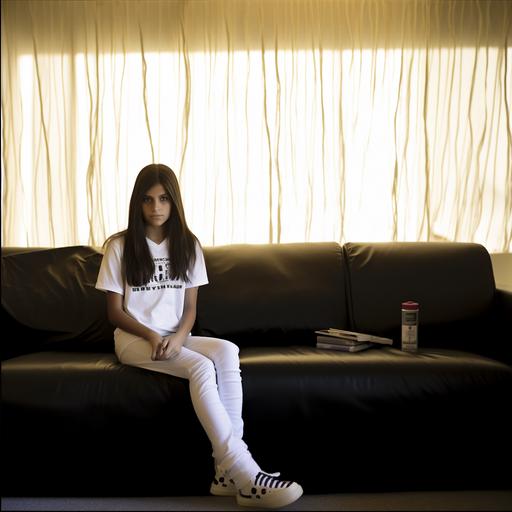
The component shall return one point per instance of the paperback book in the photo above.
(338, 341)
(344, 348)
(342, 336)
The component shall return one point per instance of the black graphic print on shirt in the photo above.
(161, 279)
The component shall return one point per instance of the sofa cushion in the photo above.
(279, 383)
(89, 387)
(400, 420)
(453, 283)
(304, 409)
(283, 291)
(49, 296)
(286, 381)
(70, 421)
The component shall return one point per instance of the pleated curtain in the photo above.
(285, 121)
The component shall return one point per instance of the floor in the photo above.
(432, 501)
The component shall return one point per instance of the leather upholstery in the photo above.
(451, 282)
(380, 419)
(49, 296)
(263, 292)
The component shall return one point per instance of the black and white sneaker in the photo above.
(222, 485)
(267, 491)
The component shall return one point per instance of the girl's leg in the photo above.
(224, 355)
(229, 450)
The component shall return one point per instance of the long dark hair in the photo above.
(138, 265)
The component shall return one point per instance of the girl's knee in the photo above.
(228, 349)
(226, 356)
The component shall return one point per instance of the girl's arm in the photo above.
(118, 317)
(189, 313)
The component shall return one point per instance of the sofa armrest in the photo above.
(503, 309)
(501, 346)
(504, 302)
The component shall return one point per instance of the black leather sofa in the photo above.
(75, 422)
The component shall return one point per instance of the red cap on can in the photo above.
(410, 304)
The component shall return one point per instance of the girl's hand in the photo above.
(156, 343)
(170, 346)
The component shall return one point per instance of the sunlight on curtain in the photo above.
(281, 126)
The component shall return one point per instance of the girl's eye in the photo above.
(148, 200)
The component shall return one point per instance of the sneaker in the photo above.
(222, 485)
(267, 491)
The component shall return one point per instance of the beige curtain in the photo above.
(285, 120)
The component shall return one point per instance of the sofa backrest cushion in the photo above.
(453, 283)
(49, 299)
(279, 291)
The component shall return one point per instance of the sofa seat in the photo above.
(367, 379)
(295, 385)
(304, 408)
(402, 420)
(280, 380)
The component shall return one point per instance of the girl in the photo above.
(151, 273)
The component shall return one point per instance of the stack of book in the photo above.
(348, 341)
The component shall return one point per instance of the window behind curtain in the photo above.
(285, 121)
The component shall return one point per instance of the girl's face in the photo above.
(156, 206)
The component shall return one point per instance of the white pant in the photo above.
(213, 369)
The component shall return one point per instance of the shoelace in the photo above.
(265, 480)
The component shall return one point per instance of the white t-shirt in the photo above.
(158, 304)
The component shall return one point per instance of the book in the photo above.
(344, 348)
(338, 341)
(357, 337)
